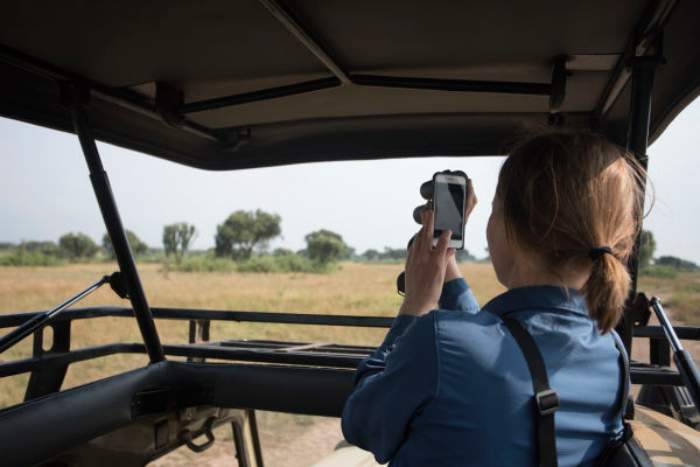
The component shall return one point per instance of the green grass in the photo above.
(257, 264)
(667, 272)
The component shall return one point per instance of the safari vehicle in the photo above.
(227, 85)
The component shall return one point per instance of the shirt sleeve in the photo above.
(395, 382)
(457, 295)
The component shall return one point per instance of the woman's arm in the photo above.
(391, 385)
(401, 376)
(456, 293)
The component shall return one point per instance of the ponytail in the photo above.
(606, 291)
(564, 195)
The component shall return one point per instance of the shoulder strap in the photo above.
(625, 374)
(546, 400)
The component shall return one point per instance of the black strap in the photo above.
(546, 400)
(623, 406)
(624, 375)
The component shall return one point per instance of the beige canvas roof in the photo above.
(248, 83)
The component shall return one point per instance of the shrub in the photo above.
(138, 247)
(293, 263)
(664, 272)
(23, 257)
(204, 264)
(257, 264)
(676, 263)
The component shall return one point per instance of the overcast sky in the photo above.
(45, 191)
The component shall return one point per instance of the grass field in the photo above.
(361, 289)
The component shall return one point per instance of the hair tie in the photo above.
(596, 253)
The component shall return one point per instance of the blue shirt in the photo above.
(452, 388)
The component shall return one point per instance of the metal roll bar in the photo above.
(77, 99)
(684, 361)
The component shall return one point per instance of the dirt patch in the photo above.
(284, 442)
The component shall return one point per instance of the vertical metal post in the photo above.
(643, 69)
(199, 333)
(50, 376)
(110, 214)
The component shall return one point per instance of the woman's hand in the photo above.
(425, 268)
(452, 272)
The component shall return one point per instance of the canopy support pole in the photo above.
(643, 69)
(110, 214)
(642, 74)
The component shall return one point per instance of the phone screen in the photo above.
(449, 208)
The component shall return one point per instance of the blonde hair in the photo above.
(565, 193)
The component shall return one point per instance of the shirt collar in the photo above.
(538, 297)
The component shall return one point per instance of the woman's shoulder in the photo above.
(462, 321)
(467, 332)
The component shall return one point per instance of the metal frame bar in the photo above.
(433, 84)
(16, 319)
(312, 45)
(642, 74)
(40, 319)
(121, 97)
(641, 373)
(49, 379)
(113, 223)
(683, 360)
(257, 447)
(643, 69)
(649, 26)
(260, 95)
(213, 315)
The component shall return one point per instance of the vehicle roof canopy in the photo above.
(251, 83)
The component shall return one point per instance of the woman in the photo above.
(449, 385)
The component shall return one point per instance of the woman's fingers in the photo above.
(410, 249)
(428, 226)
(443, 244)
(471, 199)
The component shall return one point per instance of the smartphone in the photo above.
(449, 197)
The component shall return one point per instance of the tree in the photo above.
(177, 238)
(44, 248)
(393, 253)
(371, 255)
(75, 246)
(283, 252)
(325, 246)
(137, 246)
(676, 263)
(243, 231)
(647, 246)
(464, 255)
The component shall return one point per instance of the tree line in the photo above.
(242, 238)
(241, 242)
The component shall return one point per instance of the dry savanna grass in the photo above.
(355, 288)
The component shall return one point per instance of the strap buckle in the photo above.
(547, 402)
